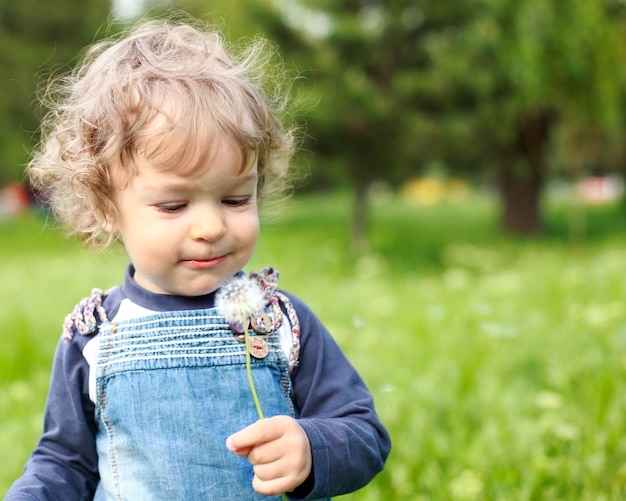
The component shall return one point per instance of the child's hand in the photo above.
(279, 451)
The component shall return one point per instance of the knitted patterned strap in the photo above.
(267, 279)
(87, 314)
(294, 354)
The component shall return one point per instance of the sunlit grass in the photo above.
(498, 365)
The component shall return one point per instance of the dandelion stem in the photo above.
(257, 403)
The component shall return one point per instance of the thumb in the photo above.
(243, 441)
(263, 430)
(231, 445)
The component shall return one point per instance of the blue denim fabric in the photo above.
(171, 388)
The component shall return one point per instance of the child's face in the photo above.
(187, 232)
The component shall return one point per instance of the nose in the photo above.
(207, 224)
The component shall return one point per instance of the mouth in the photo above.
(202, 264)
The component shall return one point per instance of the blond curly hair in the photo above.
(99, 116)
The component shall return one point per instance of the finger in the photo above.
(272, 486)
(265, 454)
(273, 470)
(253, 435)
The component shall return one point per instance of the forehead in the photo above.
(216, 168)
(171, 143)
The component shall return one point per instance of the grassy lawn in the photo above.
(498, 365)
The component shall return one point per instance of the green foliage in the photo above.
(238, 20)
(497, 365)
(493, 62)
(363, 65)
(37, 38)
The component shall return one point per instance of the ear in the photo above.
(109, 223)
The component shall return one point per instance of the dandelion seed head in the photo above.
(238, 298)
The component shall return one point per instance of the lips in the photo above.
(201, 264)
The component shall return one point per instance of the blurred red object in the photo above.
(599, 189)
(14, 199)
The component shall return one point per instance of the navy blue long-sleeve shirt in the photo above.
(349, 444)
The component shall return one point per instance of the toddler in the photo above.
(190, 380)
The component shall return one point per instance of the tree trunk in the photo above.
(360, 169)
(521, 191)
(521, 214)
(359, 218)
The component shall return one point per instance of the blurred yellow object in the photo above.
(432, 191)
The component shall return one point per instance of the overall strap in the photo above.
(267, 279)
(86, 317)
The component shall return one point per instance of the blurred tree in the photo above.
(236, 18)
(36, 37)
(480, 85)
(525, 77)
(364, 60)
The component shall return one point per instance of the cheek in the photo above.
(146, 237)
(246, 231)
(255, 228)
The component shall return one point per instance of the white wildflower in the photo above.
(238, 298)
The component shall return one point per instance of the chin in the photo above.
(199, 291)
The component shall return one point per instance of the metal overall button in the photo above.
(261, 323)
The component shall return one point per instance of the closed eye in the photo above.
(171, 208)
(237, 202)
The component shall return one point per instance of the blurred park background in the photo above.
(460, 228)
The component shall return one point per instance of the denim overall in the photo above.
(171, 387)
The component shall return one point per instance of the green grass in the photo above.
(498, 365)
